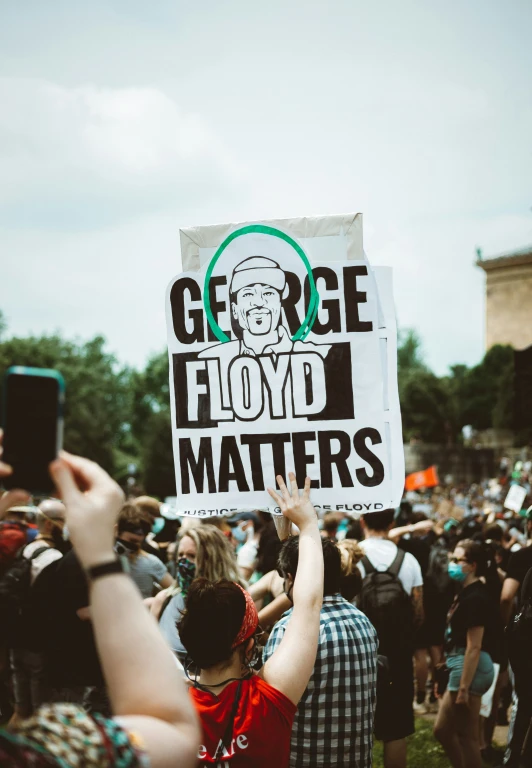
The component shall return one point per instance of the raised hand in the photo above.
(93, 501)
(298, 509)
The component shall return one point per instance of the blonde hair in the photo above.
(350, 554)
(215, 557)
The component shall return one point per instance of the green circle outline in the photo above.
(304, 330)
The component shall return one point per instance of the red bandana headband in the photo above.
(250, 622)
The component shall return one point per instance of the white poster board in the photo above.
(282, 348)
(515, 498)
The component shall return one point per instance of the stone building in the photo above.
(508, 298)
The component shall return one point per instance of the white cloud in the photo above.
(417, 114)
(110, 147)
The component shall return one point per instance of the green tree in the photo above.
(486, 390)
(426, 408)
(151, 426)
(409, 352)
(157, 457)
(424, 399)
(3, 324)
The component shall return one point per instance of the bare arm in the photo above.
(274, 610)
(472, 654)
(509, 591)
(417, 606)
(246, 572)
(260, 589)
(397, 533)
(153, 702)
(166, 581)
(291, 665)
(157, 602)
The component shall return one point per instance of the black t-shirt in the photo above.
(73, 658)
(420, 548)
(526, 589)
(473, 607)
(519, 564)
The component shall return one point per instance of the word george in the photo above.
(190, 324)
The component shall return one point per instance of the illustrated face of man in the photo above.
(257, 308)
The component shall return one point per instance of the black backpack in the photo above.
(386, 604)
(519, 637)
(15, 586)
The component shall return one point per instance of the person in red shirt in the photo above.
(246, 716)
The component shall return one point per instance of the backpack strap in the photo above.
(167, 600)
(227, 738)
(368, 566)
(395, 567)
(38, 552)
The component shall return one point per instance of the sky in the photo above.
(123, 121)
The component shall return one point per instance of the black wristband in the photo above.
(105, 569)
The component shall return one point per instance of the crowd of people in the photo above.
(132, 637)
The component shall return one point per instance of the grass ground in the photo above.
(423, 749)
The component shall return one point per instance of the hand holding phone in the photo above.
(93, 501)
(33, 427)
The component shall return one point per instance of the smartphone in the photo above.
(33, 426)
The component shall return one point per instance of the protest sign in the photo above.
(515, 498)
(282, 347)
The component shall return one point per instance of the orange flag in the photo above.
(427, 478)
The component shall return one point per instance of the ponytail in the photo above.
(483, 555)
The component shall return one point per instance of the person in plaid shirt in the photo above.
(333, 725)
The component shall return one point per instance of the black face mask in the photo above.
(131, 547)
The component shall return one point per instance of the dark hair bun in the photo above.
(212, 619)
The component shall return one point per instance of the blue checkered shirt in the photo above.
(333, 725)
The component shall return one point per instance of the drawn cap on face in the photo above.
(258, 269)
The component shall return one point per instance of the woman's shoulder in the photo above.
(258, 694)
(262, 688)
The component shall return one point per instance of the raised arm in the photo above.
(397, 533)
(291, 665)
(153, 701)
(274, 610)
(260, 588)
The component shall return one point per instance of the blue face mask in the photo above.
(158, 525)
(239, 534)
(455, 572)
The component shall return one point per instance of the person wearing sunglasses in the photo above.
(470, 643)
(247, 717)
